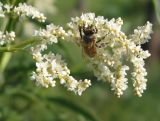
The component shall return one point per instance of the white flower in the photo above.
(47, 36)
(27, 10)
(83, 85)
(51, 33)
(7, 8)
(142, 34)
(10, 35)
(120, 83)
(50, 68)
(22, 10)
(7, 37)
(138, 76)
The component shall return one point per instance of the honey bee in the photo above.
(88, 37)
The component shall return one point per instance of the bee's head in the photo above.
(89, 30)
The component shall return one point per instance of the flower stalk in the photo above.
(18, 47)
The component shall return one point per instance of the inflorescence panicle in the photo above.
(51, 67)
(116, 53)
(115, 49)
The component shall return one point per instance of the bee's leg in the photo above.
(102, 45)
(96, 30)
(100, 39)
(80, 31)
(81, 36)
(94, 42)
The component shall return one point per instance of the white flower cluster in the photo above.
(22, 10)
(27, 10)
(7, 37)
(51, 67)
(4, 9)
(114, 51)
(142, 34)
(51, 33)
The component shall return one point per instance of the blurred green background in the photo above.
(22, 100)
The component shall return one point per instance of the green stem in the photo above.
(11, 25)
(5, 58)
(19, 46)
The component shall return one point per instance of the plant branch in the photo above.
(19, 46)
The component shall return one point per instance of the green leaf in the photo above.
(73, 106)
